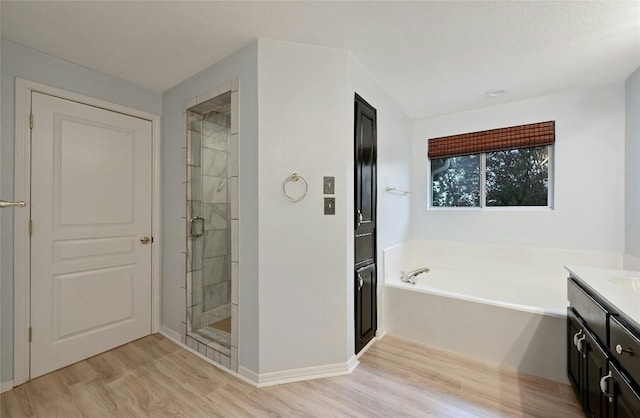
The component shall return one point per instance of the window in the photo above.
(455, 181)
(497, 168)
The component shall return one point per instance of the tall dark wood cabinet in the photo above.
(365, 283)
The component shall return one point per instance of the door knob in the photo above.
(620, 349)
(5, 204)
(145, 240)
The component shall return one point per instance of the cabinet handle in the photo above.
(620, 350)
(360, 281)
(359, 219)
(579, 343)
(604, 386)
(575, 337)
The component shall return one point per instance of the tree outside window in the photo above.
(516, 177)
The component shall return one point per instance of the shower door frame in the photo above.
(22, 191)
(227, 360)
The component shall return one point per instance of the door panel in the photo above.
(595, 368)
(91, 204)
(365, 289)
(365, 245)
(626, 398)
(365, 223)
(574, 357)
(365, 165)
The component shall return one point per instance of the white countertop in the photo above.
(621, 288)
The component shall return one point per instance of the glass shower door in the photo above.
(208, 222)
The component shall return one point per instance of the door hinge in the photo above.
(30, 227)
(31, 120)
(30, 334)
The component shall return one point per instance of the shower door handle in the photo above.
(5, 204)
(193, 227)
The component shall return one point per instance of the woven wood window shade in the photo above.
(523, 136)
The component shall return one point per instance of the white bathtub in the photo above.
(510, 323)
(514, 325)
(501, 304)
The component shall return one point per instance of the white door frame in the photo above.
(22, 191)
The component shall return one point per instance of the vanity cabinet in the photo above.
(603, 355)
(587, 365)
(624, 396)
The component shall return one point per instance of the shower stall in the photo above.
(209, 229)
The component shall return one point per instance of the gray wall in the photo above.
(244, 65)
(20, 61)
(632, 165)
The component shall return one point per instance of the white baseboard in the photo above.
(307, 373)
(631, 262)
(380, 333)
(6, 386)
(249, 375)
(275, 378)
(352, 363)
(366, 347)
(171, 334)
(175, 337)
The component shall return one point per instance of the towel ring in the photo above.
(294, 177)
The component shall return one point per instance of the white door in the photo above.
(90, 208)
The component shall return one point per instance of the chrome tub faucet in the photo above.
(410, 277)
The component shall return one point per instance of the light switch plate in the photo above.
(329, 205)
(329, 185)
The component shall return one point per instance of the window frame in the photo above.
(483, 189)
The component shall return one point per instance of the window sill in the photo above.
(492, 208)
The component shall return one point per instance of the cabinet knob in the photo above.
(620, 349)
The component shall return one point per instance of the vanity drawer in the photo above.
(625, 347)
(593, 314)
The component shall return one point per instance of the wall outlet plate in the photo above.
(329, 205)
(329, 185)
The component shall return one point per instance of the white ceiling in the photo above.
(431, 57)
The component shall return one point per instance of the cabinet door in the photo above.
(365, 222)
(626, 399)
(365, 315)
(575, 331)
(365, 165)
(595, 368)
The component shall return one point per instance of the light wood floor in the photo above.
(154, 377)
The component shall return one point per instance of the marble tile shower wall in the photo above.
(216, 212)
